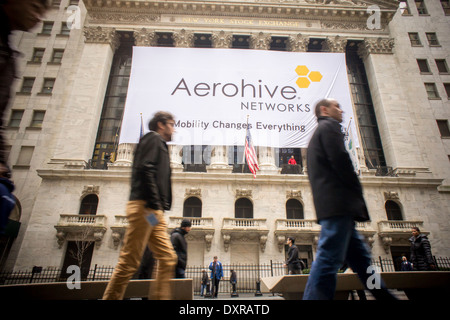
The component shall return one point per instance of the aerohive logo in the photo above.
(306, 76)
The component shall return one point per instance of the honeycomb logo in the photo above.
(306, 76)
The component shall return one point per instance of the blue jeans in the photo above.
(339, 242)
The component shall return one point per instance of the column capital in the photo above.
(104, 35)
(376, 46)
(298, 43)
(335, 44)
(260, 41)
(183, 38)
(222, 39)
(144, 37)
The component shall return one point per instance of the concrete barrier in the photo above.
(415, 284)
(182, 289)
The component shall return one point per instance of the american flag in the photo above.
(250, 154)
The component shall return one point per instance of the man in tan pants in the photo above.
(150, 195)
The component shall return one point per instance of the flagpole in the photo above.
(348, 127)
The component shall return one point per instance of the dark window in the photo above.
(446, 6)
(414, 38)
(278, 43)
(243, 208)
(164, 39)
(421, 9)
(47, 27)
(38, 53)
(315, 45)
(393, 210)
(47, 87)
(441, 64)
(403, 5)
(192, 207)
(57, 55)
(443, 128)
(38, 119)
(432, 91)
(423, 65)
(113, 105)
(65, 29)
(241, 42)
(432, 39)
(15, 119)
(202, 40)
(78, 253)
(89, 204)
(27, 85)
(362, 99)
(447, 89)
(294, 209)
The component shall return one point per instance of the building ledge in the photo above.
(80, 227)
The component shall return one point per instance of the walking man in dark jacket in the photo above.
(180, 245)
(338, 200)
(421, 257)
(150, 195)
(292, 262)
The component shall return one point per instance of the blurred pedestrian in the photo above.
(7, 199)
(150, 195)
(205, 284)
(421, 256)
(180, 246)
(20, 15)
(339, 202)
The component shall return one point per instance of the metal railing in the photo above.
(247, 274)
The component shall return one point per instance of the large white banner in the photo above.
(214, 93)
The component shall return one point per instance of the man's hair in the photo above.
(416, 228)
(292, 239)
(160, 116)
(324, 102)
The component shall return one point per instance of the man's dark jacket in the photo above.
(180, 246)
(293, 262)
(421, 256)
(150, 178)
(335, 186)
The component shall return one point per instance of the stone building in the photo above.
(72, 177)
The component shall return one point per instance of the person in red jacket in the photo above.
(292, 160)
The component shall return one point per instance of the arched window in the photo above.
(393, 210)
(89, 204)
(243, 208)
(294, 209)
(192, 207)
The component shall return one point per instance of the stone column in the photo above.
(299, 43)
(219, 154)
(266, 155)
(125, 151)
(396, 129)
(84, 106)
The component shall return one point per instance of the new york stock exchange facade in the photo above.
(72, 173)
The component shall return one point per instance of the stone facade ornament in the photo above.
(298, 43)
(375, 46)
(391, 195)
(183, 38)
(145, 38)
(102, 35)
(243, 193)
(335, 44)
(294, 194)
(260, 41)
(90, 189)
(193, 192)
(222, 39)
